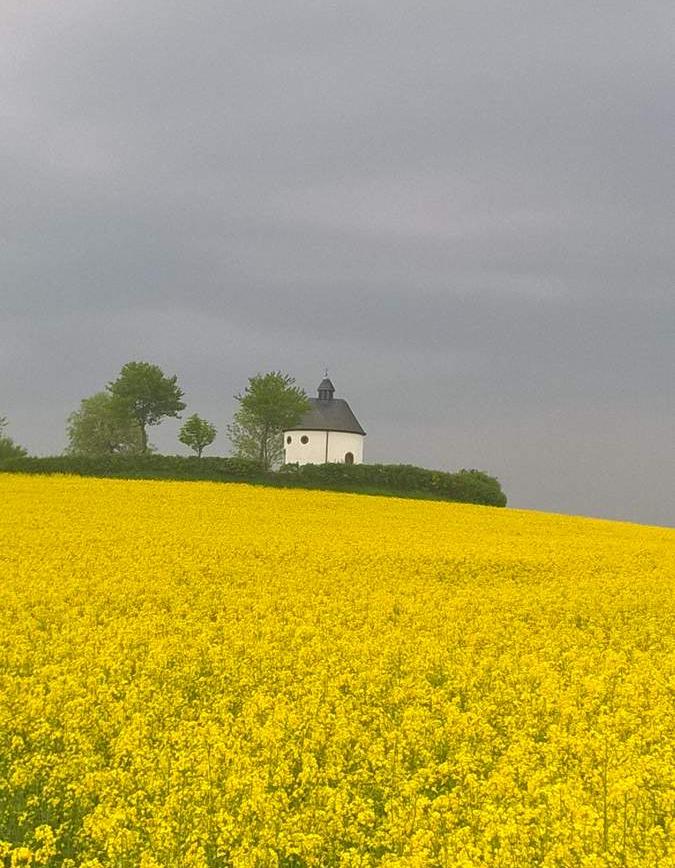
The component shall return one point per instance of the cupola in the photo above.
(326, 390)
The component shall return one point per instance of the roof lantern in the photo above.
(326, 390)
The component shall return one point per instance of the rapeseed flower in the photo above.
(198, 674)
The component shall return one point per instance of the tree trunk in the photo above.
(144, 439)
(263, 448)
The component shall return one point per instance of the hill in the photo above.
(201, 675)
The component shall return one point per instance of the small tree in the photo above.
(8, 448)
(197, 433)
(147, 394)
(103, 426)
(269, 404)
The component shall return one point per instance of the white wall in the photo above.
(314, 451)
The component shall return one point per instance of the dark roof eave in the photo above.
(332, 430)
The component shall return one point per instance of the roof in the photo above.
(332, 415)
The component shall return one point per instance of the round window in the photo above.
(304, 439)
(288, 439)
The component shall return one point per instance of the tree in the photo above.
(8, 448)
(270, 404)
(147, 394)
(197, 433)
(103, 426)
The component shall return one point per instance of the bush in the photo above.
(466, 486)
(146, 466)
(9, 449)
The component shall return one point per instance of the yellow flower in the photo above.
(197, 674)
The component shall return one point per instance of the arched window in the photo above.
(349, 457)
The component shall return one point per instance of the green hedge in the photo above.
(149, 466)
(466, 486)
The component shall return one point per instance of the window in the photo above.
(349, 457)
(288, 439)
(304, 439)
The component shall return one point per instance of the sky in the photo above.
(463, 210)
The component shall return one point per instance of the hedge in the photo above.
(466, 486)
(149, 466)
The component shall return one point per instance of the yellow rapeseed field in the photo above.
(199, 674)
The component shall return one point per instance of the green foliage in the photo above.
(269, 404)
(141, 466)
(197, 434)
(103, 426)
(467, 486)
(8, 448)
(147, 394)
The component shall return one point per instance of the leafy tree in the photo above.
(8, 448)
(147, 394)
(103, 426)
(269, 404)
(197, 433)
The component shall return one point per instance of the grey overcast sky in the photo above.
(464, 210)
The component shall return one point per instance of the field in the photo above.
(200, 674)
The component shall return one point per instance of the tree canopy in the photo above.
(103, 426)
(8, 448)
(270, 404)
(148, 394)
(197, 433)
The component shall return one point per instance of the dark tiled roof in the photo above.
(328, 415)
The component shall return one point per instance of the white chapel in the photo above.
(328, 432)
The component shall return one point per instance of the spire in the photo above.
(326, 388)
